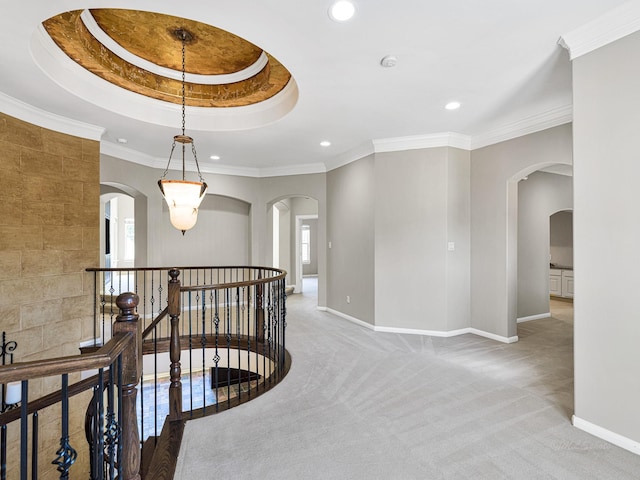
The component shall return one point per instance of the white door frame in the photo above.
(298, 266)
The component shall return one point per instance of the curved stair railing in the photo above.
(199, 343)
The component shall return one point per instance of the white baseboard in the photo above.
(355, 320)
(322, 309)
(412, 331)
(493, 336)
(430, 333)
(608, 435)
(534, 317)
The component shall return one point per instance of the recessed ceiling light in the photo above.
(342, 11)
(215, 157)
(325, 143)
(389, 61)
(452, 105)
(122, 140)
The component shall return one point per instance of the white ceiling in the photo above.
(499, 58)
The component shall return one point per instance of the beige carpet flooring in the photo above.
(363, 405)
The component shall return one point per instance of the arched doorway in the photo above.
(540, 195)
(133, 219)
(293, 238)
(538, 210)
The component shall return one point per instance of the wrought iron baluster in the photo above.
(66, 454)
(3, 452)
(191, 355)
(247, 314)
(112, 430)
(34, 446)
(216, 357)
(103, 304)
(23, 430)
(228, 328)
(120, 449)
(203, 345)
(98, 439)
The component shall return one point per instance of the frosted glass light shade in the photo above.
(13, 393)
(183, 199)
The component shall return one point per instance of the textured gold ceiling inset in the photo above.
(151, 37)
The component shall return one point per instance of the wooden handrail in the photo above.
(155, 322)
(191, 267)
(76, 363)
(48, 400)
(245, 283)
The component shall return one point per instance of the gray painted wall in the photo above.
(539, 197)
(221, 236)
(422, 203)
(606, 236)
(459, 232)
(561, 238)
(259, 193)
(495, 171)
(350, 229)
(284, 210)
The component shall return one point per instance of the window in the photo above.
(306, 244)
(129, 239)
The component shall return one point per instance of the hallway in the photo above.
(363, 405)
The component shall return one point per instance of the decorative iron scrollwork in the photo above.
(66, 456)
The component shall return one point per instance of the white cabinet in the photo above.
(555, 282)
(561, 283)
(567, 283)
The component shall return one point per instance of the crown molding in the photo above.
(613, 25)
(124, 153)
(535, 123)
(416, 142)
(363, 150)
(551, 118)
(304, 169)
(27, 113)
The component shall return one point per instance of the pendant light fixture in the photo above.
(183, 197)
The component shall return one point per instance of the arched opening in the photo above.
(533, 194)
(123, 231)
(131, 211)
(293, 241)
(544, 240)
(541, 195)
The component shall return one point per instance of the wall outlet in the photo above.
(329, 244)
(348, 299)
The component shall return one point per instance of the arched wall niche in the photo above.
(222, 235)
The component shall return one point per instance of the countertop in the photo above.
(559, 267)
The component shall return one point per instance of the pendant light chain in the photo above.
(183, 36)
(183, 198)
(183, 80)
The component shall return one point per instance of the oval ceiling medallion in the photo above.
(139, 51)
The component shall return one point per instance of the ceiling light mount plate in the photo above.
(183, 35)
(389, 61)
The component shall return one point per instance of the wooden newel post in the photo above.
(175, 390)
(127, 321)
